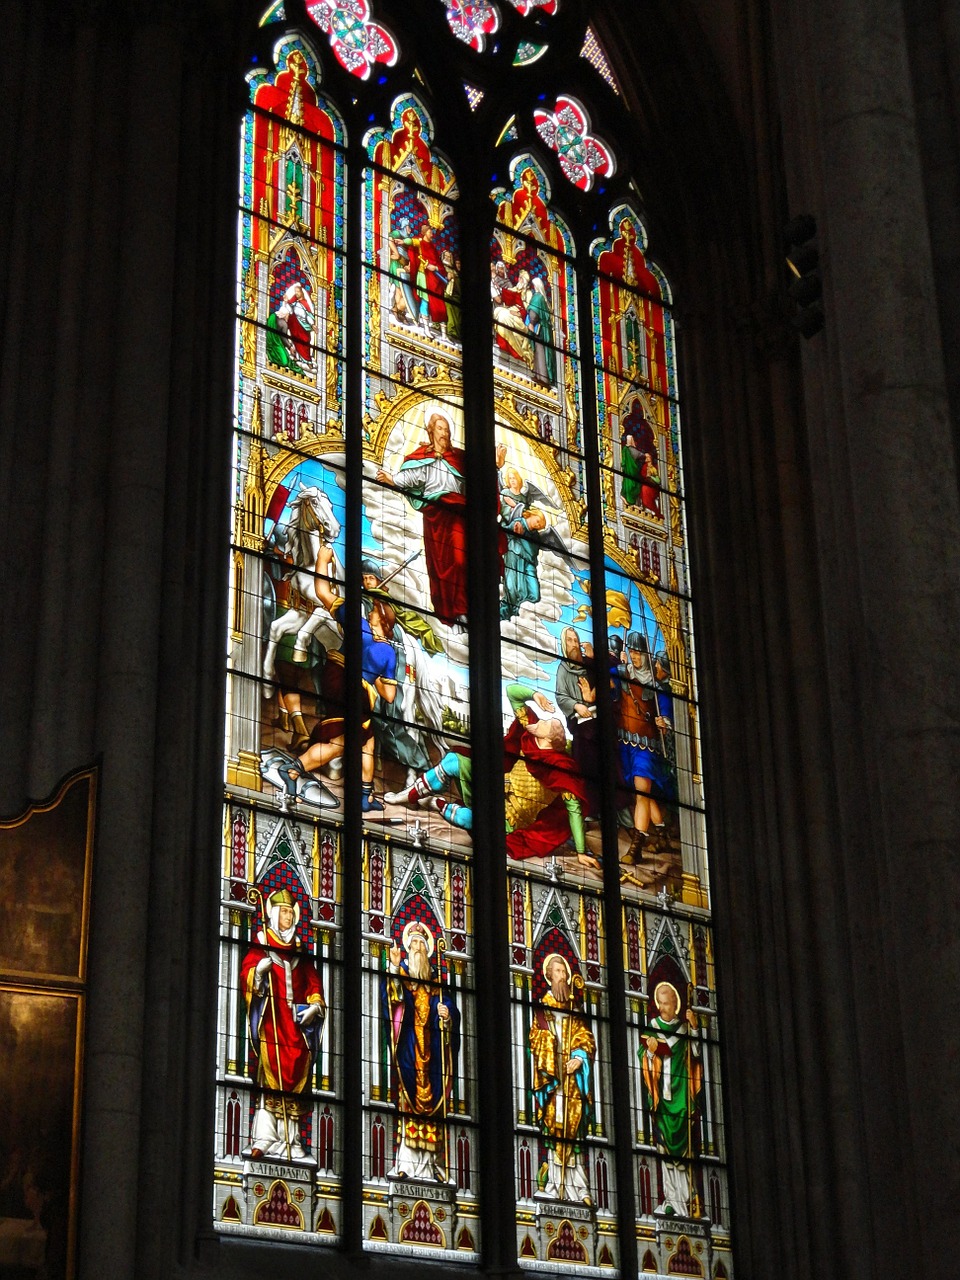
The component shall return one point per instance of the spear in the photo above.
(653, 677)
(399, 569)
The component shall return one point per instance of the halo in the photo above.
(439, 408)
(673, 989)
(555, 955)
(420, 927)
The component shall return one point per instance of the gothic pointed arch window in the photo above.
(462, 780)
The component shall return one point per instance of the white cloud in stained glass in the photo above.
(594, 54)
(276, 13)
(474, 96)
(524, 7)
(566, 130)
(527, 53)
(472, 21)
(356, 40)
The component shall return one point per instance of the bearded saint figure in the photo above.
(423, 1024)
(285, 1009)
(563, 1051)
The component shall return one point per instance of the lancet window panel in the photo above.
(411, 248)
(533, 288)
(542, 512)
(532, 285)
(292, 220)
(420, 1140)
(566, 1203)
(636, 422)
(632, 325)
(280, 1123)
(636, 382)
(285, 688)
(291, 179)
(550, 814)
(278, 1088)
(421, 1146)
(650, 656)
(414, 574)
(305, 1206)
(544, 555)
(292, 330)
(642, 477)
(646, 581)
(673, 1038)
(412, 284)
(277, 12)
(279, 1053)
(415, 490)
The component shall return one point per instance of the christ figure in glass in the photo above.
(433, 478)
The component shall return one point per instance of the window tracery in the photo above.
(472, 21)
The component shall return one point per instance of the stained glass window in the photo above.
(462, 708)
(279, 1054)
(419, 1033)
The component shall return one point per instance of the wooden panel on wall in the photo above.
(45, 864)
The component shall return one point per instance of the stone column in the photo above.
(113, 495)
(886, 508)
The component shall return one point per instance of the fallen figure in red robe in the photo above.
(544, 791)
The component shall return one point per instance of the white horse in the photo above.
(313, 525)
(421, 696)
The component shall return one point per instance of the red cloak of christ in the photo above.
(444, 538)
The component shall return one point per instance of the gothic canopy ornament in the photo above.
(582, 155)
(356, 41)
